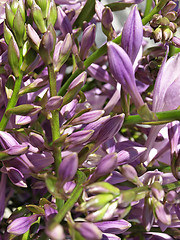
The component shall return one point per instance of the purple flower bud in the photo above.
(110, 236)
(57, 233)
(107, 17)
(50, 211)
(168, 7)
(126, 197)
(17, 150)
(36, 140)
(105, 166)
(21, 225)
(33, 37)
(130, 154)
(171, 197)
(147, 217)
(79, 137)
(102, 187)
(46, 47)
(161, 212)
(88, 117)
(87, 41)
(132, 34)
(54, 103)
(63, 22)
(62, 52)
(89, 231)
(115, 227)
(122, 70)
(176, 41)
(157, 191)
(129, 172)
(81, 78)
(100, 74)
(68, 168)
(109, 129)
(16, 177)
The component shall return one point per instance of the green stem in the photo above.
(55, 128)
(103, 50)
(14, 98)
(155, 10)
(148, 7)
(81, 177)
(163, 117)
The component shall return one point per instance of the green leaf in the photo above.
(118, 6)
(86, 13)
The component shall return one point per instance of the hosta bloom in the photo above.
(122, 70)
(166, 95)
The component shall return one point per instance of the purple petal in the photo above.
(21, 225)
(132, 34)
(115, 227)
(16, 177)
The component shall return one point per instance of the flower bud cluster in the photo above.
(164, 25)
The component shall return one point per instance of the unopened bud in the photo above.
(173, 27)
(46, 47)
(167, 34)
(160, 212)
(129, 172)
(157, 34)
(87, 40)
(38, 17)
(98, 215)
(102, 187)
(33, 37)
(88, 230)
(157, 190)
(9, 15)
(44, 5)
(52, 13)
(172, 16)
(96, 202)
(107, 17)
(126, 197)
(164, 21)
(13, 56)
(168, 7)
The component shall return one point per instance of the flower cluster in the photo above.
(89, 136)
